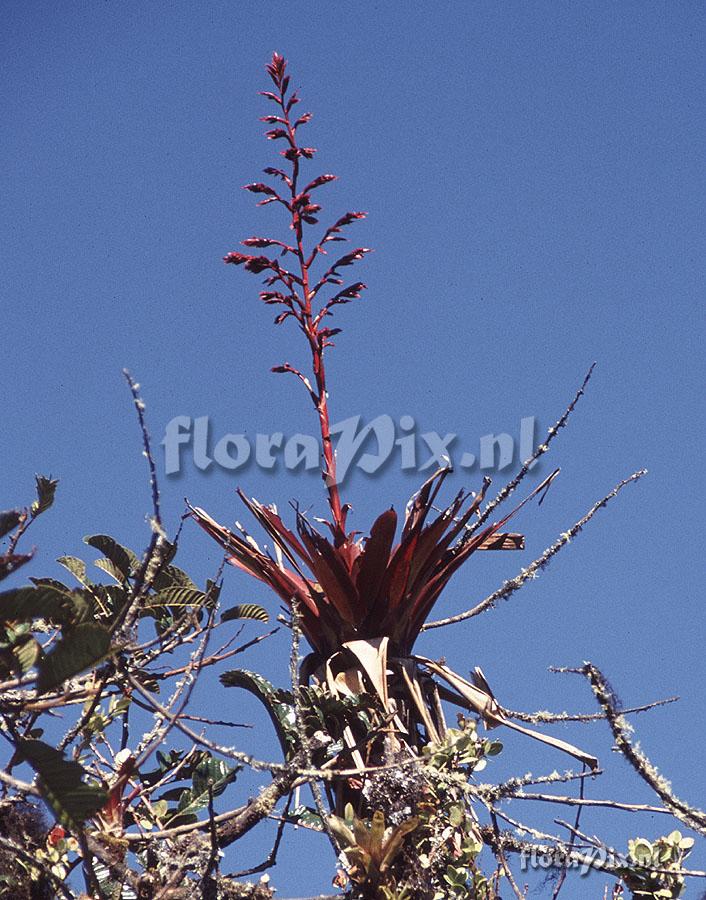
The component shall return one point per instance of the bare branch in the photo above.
(514, 584)
(505, 492)
(689, 815)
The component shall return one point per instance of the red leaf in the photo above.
(350, 258)
(262, 242)
(352, 292)
(274, 525)
(259, 188)
(276, 68)
(317, 182)
(330, 572)
(255, 264)
(270, 170)
(375, 558)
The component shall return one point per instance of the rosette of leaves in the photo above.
(370, 849)
(655, 870)
(360, 601)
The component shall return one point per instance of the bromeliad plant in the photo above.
(361, 603)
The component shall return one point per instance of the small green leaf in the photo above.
(82, 648)
(105, 565)
(61, 783)
(306, 817)
(46, 488)
(178, 597)
(279, 704)
(26, 652)
(77, 567)
(210, 777)
(246, 611)
(125, 561)
(172, 576)
(456, 816)
(641, 851)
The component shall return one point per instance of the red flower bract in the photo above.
(346, 588)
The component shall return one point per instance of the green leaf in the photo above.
(246, 611)
(9, 519)
(177, 596)
(640, 851)
(342, 831)
(105, 565)
(124, 560)
(41, 602)
(61, 783)
(82, 648)
(279, 704)
(456, 816)
(306, 817)
(172, 576)
(210, 776)
(77, 567)
(46, 488)
(52, 583)
(26, 652)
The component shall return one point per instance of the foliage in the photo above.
(144, 803)
(657, 866)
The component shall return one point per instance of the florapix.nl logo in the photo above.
(368, 446)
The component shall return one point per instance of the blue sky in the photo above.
(534, 179)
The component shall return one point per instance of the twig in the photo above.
(147, 451)
(509, 787)
(543, 717)
(501, 858)
(576, 801)
(301, 727)
(505, 492)
(209, 883)
(577, 822)
(151, 741)
(178, 830)
(272, 856)
(516, 845)
(22, 787)
(514, 584)
(691, 816)
(211, 660)
(220, 722)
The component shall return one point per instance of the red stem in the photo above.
(310, 329)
